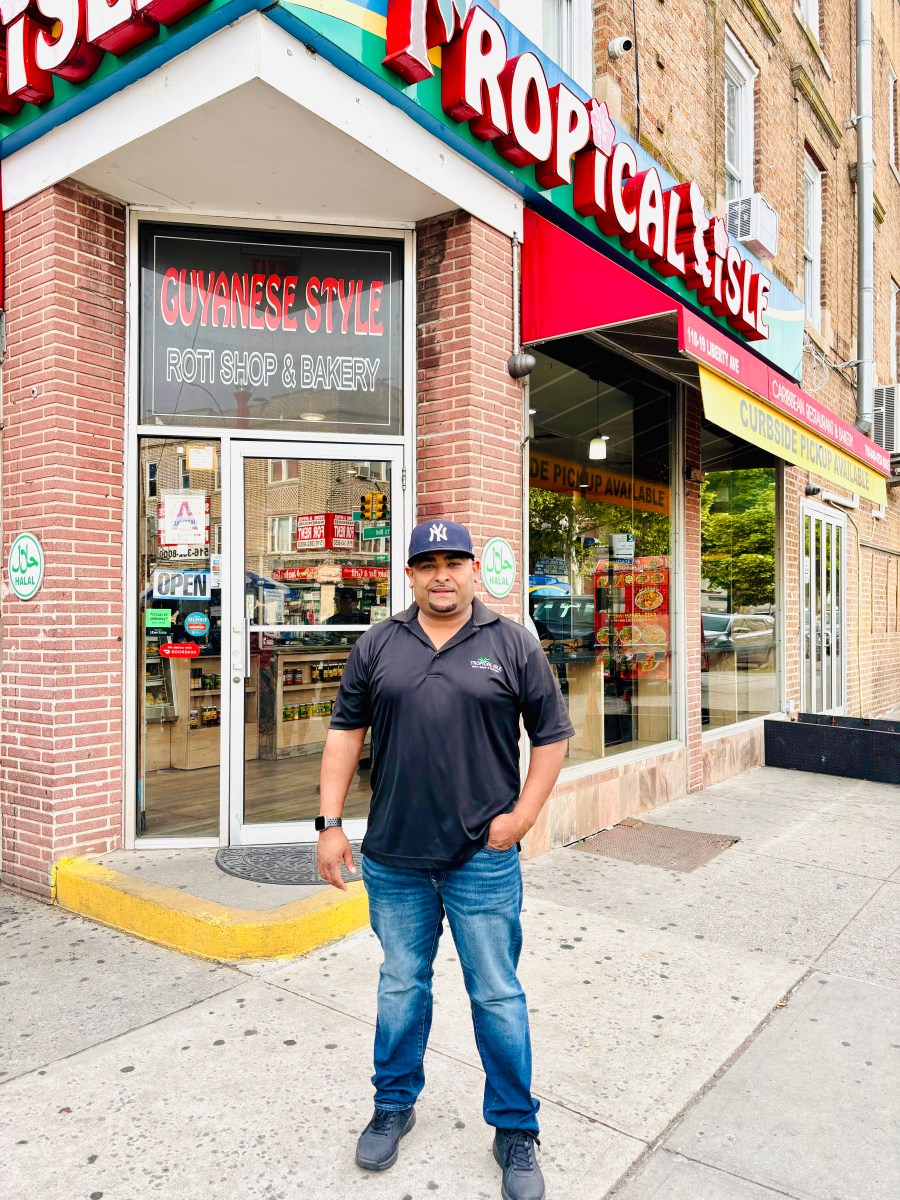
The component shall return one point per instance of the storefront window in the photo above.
(600, 543)
(739, 585)
(266, 331)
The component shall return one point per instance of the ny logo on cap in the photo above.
(438, 532)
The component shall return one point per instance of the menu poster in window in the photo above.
(267, 329)
(632, 621)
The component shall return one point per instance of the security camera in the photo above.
(620, 45)
(813, 490)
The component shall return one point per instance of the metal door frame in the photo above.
(238, 832)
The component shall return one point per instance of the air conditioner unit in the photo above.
(754, 222)
(886, 418)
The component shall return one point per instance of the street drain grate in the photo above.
(277, 864)
(657, 845)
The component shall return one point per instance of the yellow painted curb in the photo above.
(202, 927)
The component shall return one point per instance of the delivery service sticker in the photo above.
(25, 566)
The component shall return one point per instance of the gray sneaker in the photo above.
(379, 1142)
(522, 1178)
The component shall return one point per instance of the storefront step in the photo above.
(181, 900)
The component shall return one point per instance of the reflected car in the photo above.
(750, 637)
(564, 619)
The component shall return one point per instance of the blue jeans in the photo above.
(482, 900)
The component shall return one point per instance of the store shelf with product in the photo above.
(196, 735)
(296, 706)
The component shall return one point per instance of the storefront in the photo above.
(288, 254)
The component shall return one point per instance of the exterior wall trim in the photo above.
(598, 765)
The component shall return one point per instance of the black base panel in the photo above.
(858, 751)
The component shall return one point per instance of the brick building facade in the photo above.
(89, 171)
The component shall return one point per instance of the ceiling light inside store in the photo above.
(597, 447)
(312, 416)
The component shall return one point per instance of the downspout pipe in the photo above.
(865, 331)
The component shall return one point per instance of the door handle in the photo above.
(240, 646)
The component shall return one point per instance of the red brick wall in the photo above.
(63, 445)
(469, 416)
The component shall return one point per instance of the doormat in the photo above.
(657, 845)
(289, 864)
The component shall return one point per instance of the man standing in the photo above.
(443, 687)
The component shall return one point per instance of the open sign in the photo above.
(182, 585)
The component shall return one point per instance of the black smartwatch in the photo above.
(327, 823)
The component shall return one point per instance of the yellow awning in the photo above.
(757, 423)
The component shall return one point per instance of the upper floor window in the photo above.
(281, 535)
(184, 475)
(740, 79)
(567, 28)
(151, 480)
(283, 469)
(809, 11)
(812, 240)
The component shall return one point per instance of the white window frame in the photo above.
(276, 540)
(575, 55)
(740, 73)
(184, 475)
(152, 480)
(285, 478)
(893, 332)
(809, 14)
(812, 240)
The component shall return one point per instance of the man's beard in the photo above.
(443, 603)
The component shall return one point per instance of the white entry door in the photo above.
(822, 616)
(316, 558)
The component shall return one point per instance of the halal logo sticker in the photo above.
(498, 567)
(25, 566)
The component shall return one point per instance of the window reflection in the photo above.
(600, 544)
(738, 587)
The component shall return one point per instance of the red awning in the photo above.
(570, 288)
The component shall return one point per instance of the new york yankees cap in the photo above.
(434, 535)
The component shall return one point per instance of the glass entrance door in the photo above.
(822, 643)
(310, 569)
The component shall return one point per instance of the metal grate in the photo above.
(657, 845)
(277, 864)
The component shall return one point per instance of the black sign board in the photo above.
(256, 330)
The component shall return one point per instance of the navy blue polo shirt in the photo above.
(445, 731)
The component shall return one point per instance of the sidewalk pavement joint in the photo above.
(204, 928)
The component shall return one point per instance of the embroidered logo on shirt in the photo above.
(438, 532)
(485, 664)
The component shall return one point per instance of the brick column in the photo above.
(693, 574)
(62, 447)
(469, 414)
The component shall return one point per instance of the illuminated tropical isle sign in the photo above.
(463, 71)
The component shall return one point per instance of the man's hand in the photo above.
(334, 849)
(506, 830)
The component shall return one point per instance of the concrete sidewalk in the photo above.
(725, 1034)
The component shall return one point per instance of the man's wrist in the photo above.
(322, 823)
